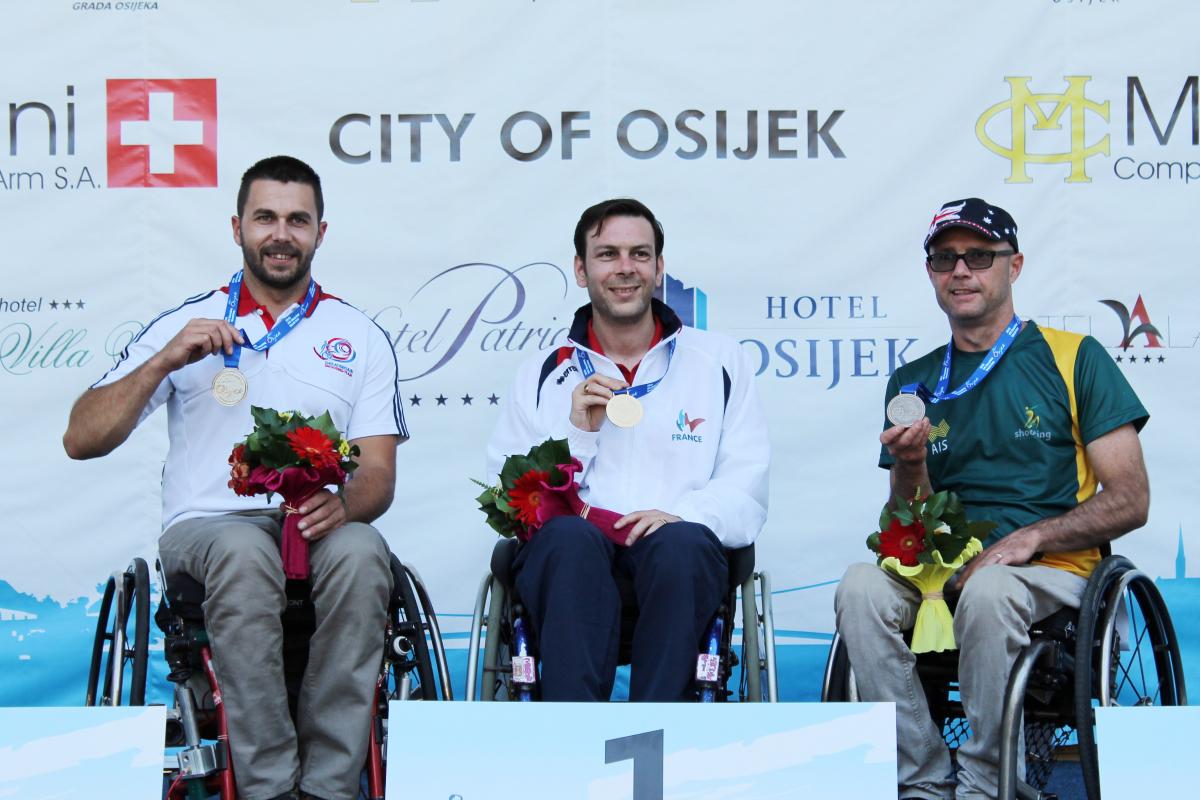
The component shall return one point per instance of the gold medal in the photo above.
(624, 410)
(229, 386)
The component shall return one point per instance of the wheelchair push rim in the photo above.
(126, 596)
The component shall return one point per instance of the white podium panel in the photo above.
(640, 751)
(1147, 751)
(97, 753)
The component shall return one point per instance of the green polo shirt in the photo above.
(1013, 447)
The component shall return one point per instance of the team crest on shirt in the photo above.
(1031, 425)
(687, 428)
(941, 432)
(337, 353)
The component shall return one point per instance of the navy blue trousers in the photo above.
(566, 576)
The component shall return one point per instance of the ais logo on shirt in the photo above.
(940, 431)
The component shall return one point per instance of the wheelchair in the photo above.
(410, 654)
(509, 659)
(1118, 649)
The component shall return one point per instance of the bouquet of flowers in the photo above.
(925, 540)
(294, 455)
(536, 487)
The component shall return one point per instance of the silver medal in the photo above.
(229, 386)
(905, 410)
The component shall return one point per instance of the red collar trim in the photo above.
(627, 372)
(248, 305)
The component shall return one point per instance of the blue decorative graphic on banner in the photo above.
(690, 303)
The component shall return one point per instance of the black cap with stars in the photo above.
(976, 215)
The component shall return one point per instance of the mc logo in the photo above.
(1025, 107)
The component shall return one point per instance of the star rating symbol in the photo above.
(1161, 359)
(66, 304)
(79, 304)
(1118, 359)
(466, 399)
(53, 304)
(1146, 359)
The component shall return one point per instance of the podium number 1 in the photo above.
(646, 752)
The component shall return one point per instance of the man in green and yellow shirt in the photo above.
(1029, 423)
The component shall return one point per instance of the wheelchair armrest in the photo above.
(741, 564)
(1059, 626)
(503, 555)
(185, 596)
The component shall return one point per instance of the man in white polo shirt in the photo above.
(322, 355)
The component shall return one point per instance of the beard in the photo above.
(277, 279)
(624, 314)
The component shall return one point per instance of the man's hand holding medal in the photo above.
(198, 339)
(600, 396)
(590, 399)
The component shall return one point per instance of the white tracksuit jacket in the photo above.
(700, 452)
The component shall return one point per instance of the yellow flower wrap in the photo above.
(934, 629)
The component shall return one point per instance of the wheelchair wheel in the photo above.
(415, 617)
(496, 681)
(126, 597)
(1126, 653)
(837, 685)
(751, 688)
(758, 681)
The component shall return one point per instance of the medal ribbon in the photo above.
(282, 328)
(985, 367)
(642, 389)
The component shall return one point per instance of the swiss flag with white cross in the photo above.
(162, 132)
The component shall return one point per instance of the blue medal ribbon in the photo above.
(282, 326)
(642, 389)
(985, 367)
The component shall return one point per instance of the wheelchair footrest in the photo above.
(202, 760)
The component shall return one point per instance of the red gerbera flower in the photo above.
(903, 541)
(526, 495)
(312, 445)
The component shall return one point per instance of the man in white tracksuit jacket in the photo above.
(690, 476)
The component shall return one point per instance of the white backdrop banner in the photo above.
(795, 152)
